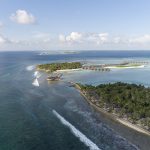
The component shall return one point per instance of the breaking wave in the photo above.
(30, 68)
(76, 132)
(36, 74)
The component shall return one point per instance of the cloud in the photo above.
(1, 25)
(8, 41)
(45, 37)
(99, 38)
(23, 17)
(117, 40)
(62, 38)
(76, 37)
(3, 40)
(145, 39)
(103, 37)
(71, 38)
(76, 41)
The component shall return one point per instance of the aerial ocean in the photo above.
(55, 116)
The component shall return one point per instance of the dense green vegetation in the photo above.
(129, 101)
(59, 66)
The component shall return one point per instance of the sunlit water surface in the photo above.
(31, 116)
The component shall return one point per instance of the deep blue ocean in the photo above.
(55, 116)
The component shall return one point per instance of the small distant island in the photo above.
(55, 69)
(70, 66)
(59, 66)
(128, 103)
(66, 66)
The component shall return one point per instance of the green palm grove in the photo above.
(59, 66)
(128, 101)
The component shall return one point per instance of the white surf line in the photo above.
(30, 68)
(76, 132)
(37, 74)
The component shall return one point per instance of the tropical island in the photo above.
(127, 103)
(55, 70)
(59, 66)
(66, 66)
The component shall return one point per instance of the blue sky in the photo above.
(74, 24)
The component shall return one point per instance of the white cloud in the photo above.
(76, 37)
(8, 41)
(23, 17)
(145, 39)
(45, 37)
(76, 41)
(73, 37)
(62, 38)
(116, 40)
(3, 40)
(102, 38)
(1, 25)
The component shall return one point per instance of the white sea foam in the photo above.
(35, 82)
(37, 74)
(30, 68)
(77, 133)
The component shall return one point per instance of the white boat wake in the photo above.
(76, 132)
(35, 82)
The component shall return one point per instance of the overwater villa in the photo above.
(54, 77)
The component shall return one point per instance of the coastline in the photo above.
(68, 70)
(60, 71)
(113, 116)
(125, 67)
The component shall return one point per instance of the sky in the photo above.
(74, 25)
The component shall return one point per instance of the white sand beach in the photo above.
(135, 127)
(124, 67)
(68, 70)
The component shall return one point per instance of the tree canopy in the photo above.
(59, 66)
(127, 100)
